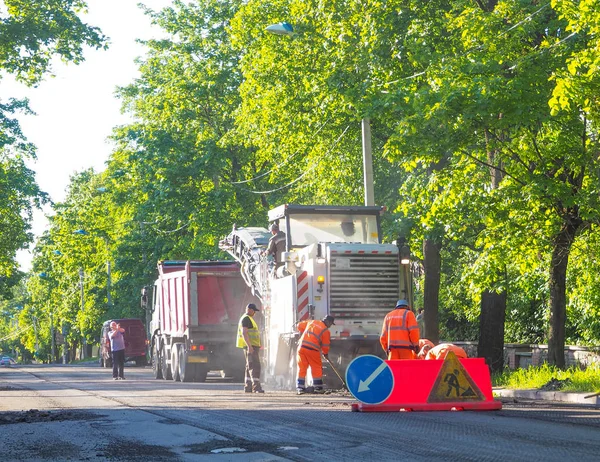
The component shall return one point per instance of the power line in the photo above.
(311, 168)
(14, 334)
(285, 161)
(479, 47)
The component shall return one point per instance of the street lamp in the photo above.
(44, 275)
(284, 28)
(81, 277)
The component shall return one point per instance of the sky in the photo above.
(76, 110)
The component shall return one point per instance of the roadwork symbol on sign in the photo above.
(370, 379)
(454, 383)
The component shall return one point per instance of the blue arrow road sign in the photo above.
(370, 379)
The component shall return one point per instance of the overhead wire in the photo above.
(308, 170)
(527, 18)
(14, 334)
(275, 167)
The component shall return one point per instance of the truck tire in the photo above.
(156, 367)
(186, 371)
(200, 373)
(164, 365)
(175, 361)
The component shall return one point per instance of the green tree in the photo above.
(32, 34)
(35, 32)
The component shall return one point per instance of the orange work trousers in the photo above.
(309, 358)
(401, 353)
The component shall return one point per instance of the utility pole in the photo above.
(81, 274)
(37, 343)
(108, 284)
(52, 340)
(65, 345)
(367, 162)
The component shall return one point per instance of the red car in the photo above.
(136, 342)
(7, 361)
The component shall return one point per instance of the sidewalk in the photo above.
(554, 396)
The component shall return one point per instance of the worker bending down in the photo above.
(400, 333)
(315, 340)
(428, 351)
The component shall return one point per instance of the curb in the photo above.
(557, 396)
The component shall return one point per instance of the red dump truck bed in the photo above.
(197, 306)
(201, 293)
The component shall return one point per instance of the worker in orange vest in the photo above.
(441, 351)
(400, 332)
(315, 340)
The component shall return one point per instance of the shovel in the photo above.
(336, 372)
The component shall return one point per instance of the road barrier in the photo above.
(451, 384)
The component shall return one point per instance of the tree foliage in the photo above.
(35, 32)
(485, 138)
(32, 34)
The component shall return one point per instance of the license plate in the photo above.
(197, 359)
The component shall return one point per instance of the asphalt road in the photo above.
(80, 413)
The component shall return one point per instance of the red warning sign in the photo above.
(454, 383)
(437, 385)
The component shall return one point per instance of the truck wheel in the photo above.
(200, 373)
(175, 362)
(164, 366)
(156, 368)
(186, 371)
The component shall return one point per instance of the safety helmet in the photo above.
(424, 341)
(329, 319)
(424, 347)
(401, 302)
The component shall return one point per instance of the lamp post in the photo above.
(285, 28)
(404, 255)
(81, 276)
(45, 276)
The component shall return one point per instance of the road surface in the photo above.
(55, 412)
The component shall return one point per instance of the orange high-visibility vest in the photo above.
(440, 351)
(315, 336)
(400, 330)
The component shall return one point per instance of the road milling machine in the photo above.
(334, 264)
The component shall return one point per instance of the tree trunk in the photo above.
(558, 298)
(493, 304)
(491, 329)
(431, 291)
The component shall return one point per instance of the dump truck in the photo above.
(334, 264)
(195, 307)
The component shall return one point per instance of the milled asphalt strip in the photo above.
(151, 427)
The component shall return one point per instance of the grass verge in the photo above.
(572, 379)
